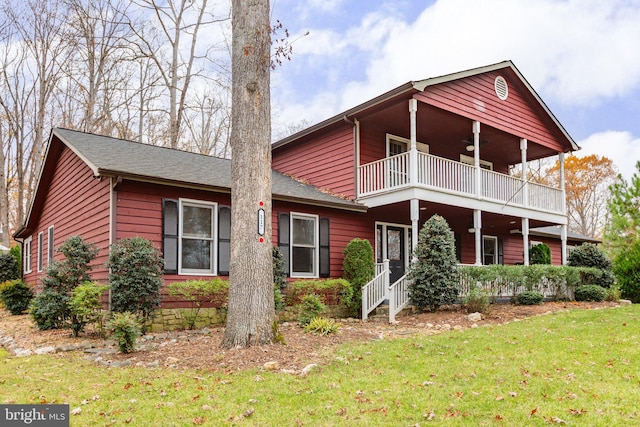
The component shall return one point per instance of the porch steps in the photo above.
(381, 313)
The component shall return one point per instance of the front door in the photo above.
(395, 253)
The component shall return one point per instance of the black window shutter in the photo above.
(283, 240)
(500, 251)
(325, 265)
(224, 240)
(170, 235)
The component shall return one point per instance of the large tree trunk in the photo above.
(251, 305)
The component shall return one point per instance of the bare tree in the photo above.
(251, 305)
(175, 24)
(208, 123)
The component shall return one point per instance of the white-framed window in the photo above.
(197, 237)
(398, 145)
(26, 256)
(470, 161)
(304, 245)
(40, 249)
(50, 246)
(489, 250)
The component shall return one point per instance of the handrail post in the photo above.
(386, 275)
(392, 304)
(365, 303)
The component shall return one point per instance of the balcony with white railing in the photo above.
(456, 178)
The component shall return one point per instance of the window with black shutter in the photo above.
(283, 240)
(325, 260)
(224, 239)
(170, 235)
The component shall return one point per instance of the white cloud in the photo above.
(574, 53)
(621, 147)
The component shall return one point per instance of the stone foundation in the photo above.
(172, 319)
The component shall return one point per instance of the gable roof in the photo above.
(112, 157)
(108, 156)
(420, 86)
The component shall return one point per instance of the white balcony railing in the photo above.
(457, 178)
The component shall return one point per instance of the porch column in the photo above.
(413, 150)
(476, 157)
(525, 172)
(415, 217)
(477, 225)
(525, 239)
(562, 183)
(563, 237)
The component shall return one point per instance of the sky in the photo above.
(581, 56)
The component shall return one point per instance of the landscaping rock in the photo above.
(624, 302)
(474, 317)
(101, 350)
(307, 369)
(45, 350)
(271, 366)
(22, 352)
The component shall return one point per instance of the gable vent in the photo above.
(502, 90)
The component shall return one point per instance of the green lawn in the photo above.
(578, 368)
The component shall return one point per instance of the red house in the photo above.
(445, 145)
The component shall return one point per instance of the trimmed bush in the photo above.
(310, 307)
(540, 254)
(477, 301)
(61, 279)
(322, 326)
(627, 271)
(589, 255)
(86, 306)
(136, 277)
(125, 330)
(590, 293)
(340, 287)
(198, 292)
(16, 251)
(529, 298)
(359, 268)
(9, 269)
(49, 309)
(16, 296)
(613, 294)
(433, 274)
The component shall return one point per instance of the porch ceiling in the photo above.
(444, 132)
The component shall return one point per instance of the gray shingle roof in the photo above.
(112, 156)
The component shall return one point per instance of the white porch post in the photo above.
(525, 172)
(477, 225)
(476, 157)
(525, 239)
(563, 229)
(413, 151)
(563, 236)
(415, 217)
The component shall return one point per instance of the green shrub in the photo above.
(477, 301)
(434, 280)
(8, 268)
(279, 279)
(322, 326)
(529, 298)
(343, 289)
(627, 271)
(540, 254)
(613, 294)
(135, 277)
(49, 309)
(197, 292)
(125, 329)
(16, 251)
(310, 307)
(61, 279)
(86, 306)
(359, 268)
(16, 296)
(589, 255)
(590, 293)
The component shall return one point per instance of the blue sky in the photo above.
(581, 56)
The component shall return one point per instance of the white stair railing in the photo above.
(398, 297)
(374, 292)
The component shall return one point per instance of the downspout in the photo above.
(113, 202)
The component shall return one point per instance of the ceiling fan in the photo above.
(468, 141)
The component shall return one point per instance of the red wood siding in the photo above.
(474, 97)
(326, 162)
(75, 203)
(343, 227)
